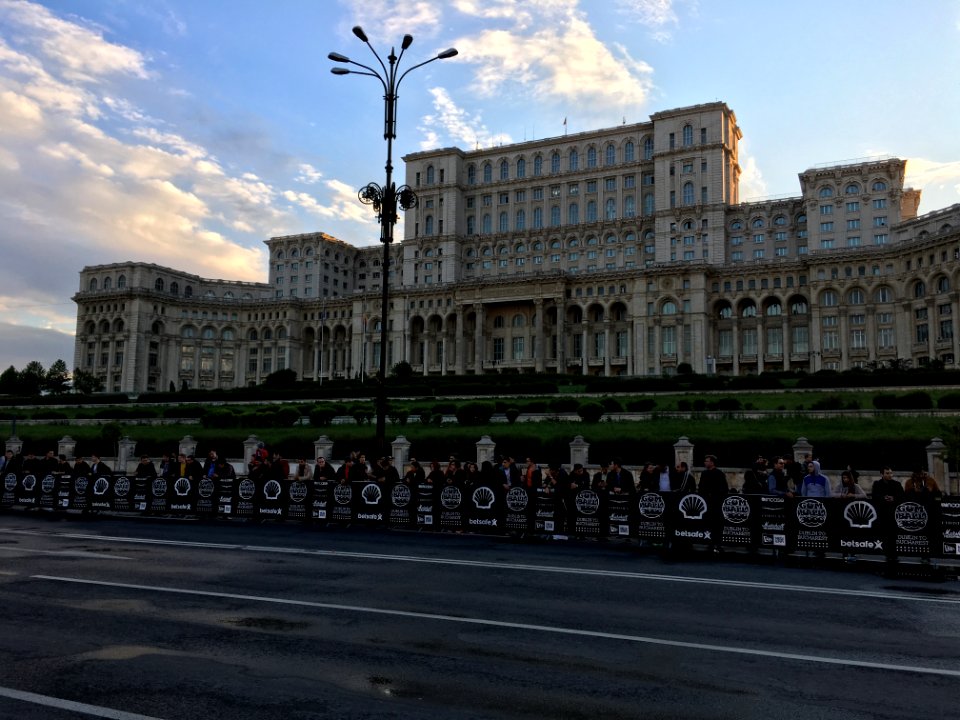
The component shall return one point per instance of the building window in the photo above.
(504, 170)
(610, 157)
(687, 135)
(487, 173)
(555, 163)
(688, 193)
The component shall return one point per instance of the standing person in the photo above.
(620, 480)
(510, 474)
(755, 479)
(649, 478)
(303, 472)
(5, 462)
(713, 488)
(63, 467)
(815, 483)
(778, 483)
(99, 468)
(921, 487)
(849, 490)
(194, 469)
(80, 467)
(280, 468)
(166, 465)
(323, 470)
(435, 476)
(795, 472)
(209, 464)
(145, 468)
(532, 475)
(49, 463)
(682, 480)
(886, 493)
(600, 477)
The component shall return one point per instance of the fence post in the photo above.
(249, 449)
(401, 453)
(802, 448)
(323, 447)
(936, 465)
(188, 446)
(125, 448)
(683, 452)
(67, 446)
(15, 444)
(486, 449)
(579, 451)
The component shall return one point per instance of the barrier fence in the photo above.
(928, 528)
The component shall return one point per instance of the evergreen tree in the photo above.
(57, 378)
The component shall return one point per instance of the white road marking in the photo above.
(658, 577)
(516, 626)
(78, 707)
(62, 553)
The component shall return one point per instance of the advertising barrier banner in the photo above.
(910, 527)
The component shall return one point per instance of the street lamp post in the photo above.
(385, 199)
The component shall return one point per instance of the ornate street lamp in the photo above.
(386, 199)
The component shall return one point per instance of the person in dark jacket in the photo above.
(99, 468)
(755, 479)
(682, 480)
(886, 494)
(713, 488)
(620, 480)
(145, 468)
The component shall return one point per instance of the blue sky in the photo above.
(187, 133)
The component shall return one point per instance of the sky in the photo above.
(186, 133)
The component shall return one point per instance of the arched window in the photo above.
(628, 151)
(308, 252)
(158, 285)
(668, 308)
(281, 333)
(555, 163)
(610, 209)
(687, 135)
(428, 225)
(610, 156)
(826, 192)
(487, 172)
(774, 309)
(188, 332)
(504, 170)
(430, 175)
(943, 284)
(879, 186)
(268, 334)
(883, 295)
(591, 210)
(121, 282)
(252, 335)
(592, 240)
(919, 290)
(573, 160)
(758, 222)
(519, 248)
(538, 166)
(504, 222)
(521, 168)
(648, 148)
(229, 334)
(648, 204)
(107, 283)
(555, 245)
(487, 251)
(629, 207)
(852, 189)
(856, 297)
(92, 285)
(207, 333)
(736, 225)
(591, 157)
(518, 321)
(487, 224)
(188, 291)
(779, 220)
(688, 193)
(521, 223)
(280, 255)
(828, 298)
(573, 214)
(471, 175)
(725, 312)
(798, 307)
(295, 253)
(174, 288)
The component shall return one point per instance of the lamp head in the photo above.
(406, 42)
(448, 53)
(337, 57)
(339, 71)
(358, 31)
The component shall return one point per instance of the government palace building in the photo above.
(623, 251)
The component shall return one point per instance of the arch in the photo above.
(118, 325)
(826, 191)
(228, 334)
(772, 307)
(157, 328)
(747, 308)
(518, 321)
(188, 332)
(90, 327)
(942, 283)
(294, 253)
(92, 285)
(121, 282)
(104, 327)
(267, 334)
(252, 335)
(174, 288)
(883, 295)
(828, 298)
(919, 289)
(575, 314)
(668, 307)
(648, 148)
(280, 255)
(852, 189)
(158, 284)
(878, 186)
(723, 310)
(281, 333)
(107, 283)
(856, 296)
(207, 333)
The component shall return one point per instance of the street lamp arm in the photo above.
(440, 56)
(372, 73)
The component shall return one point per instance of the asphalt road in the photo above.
(129, 619)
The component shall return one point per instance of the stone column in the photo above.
(801, 448)
(14, 444)
(562, 338)
(579, 451)
(126, 448)
(459, 346)
(936, 465)
(683, 452)
(401, 452)
(249, 448)
(478, 341)
(188, 446)
(539, 344)
(486, 450)
(67, 446)
(323, 447)
(785, 339)
(606, 351)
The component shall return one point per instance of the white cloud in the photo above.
(657, 15)
(308, 174)
(343, 203)
(939, 181)
(752, 184)
(386, 22)
(560, 62)
(456, 124)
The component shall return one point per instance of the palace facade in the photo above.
(623, 251)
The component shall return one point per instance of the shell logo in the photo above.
(483, 498)
(272, 490)
(101, 486)
(371, 494)
(693, 507)
(29, 482)
(860, 514)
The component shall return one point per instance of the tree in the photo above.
(281, 379)
(57, 378)
(86, 383)
(402, 370)
(32, 378)
(9, 381)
